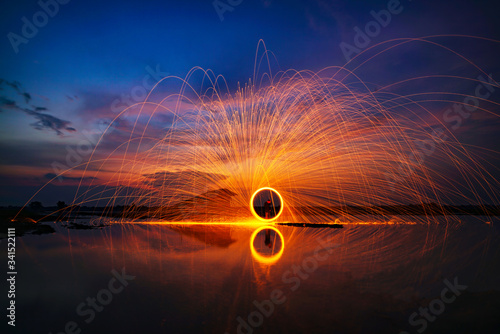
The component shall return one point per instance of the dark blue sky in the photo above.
(108, 44)
(91, 52)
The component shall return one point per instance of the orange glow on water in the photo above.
(266, 259)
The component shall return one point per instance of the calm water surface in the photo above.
(363, 278)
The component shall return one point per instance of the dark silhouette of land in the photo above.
(25, 227)
(313, 225)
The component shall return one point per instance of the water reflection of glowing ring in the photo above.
(282, 204)
(267, 259)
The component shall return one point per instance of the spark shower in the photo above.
(322, 139)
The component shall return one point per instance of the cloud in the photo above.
(17, 87)
(31, 153)
(27, 97)
(50, 176)
(7, 103)
(44, 121)
(181, 179)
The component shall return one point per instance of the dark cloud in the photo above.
(50, 176)
(29, 153)
(27, 97)
(13, 84)
(17, 88)
(44, 121)
(181, 179)
(168, 187)
(6, 103)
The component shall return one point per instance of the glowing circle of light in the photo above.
(282, 204)
(266, 259)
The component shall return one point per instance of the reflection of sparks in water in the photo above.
(389, 268)
(267, 259)
(257, 225)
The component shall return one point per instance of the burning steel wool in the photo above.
(324, 140)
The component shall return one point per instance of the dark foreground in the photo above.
(157, 278)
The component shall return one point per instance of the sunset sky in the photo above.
(61, 86)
